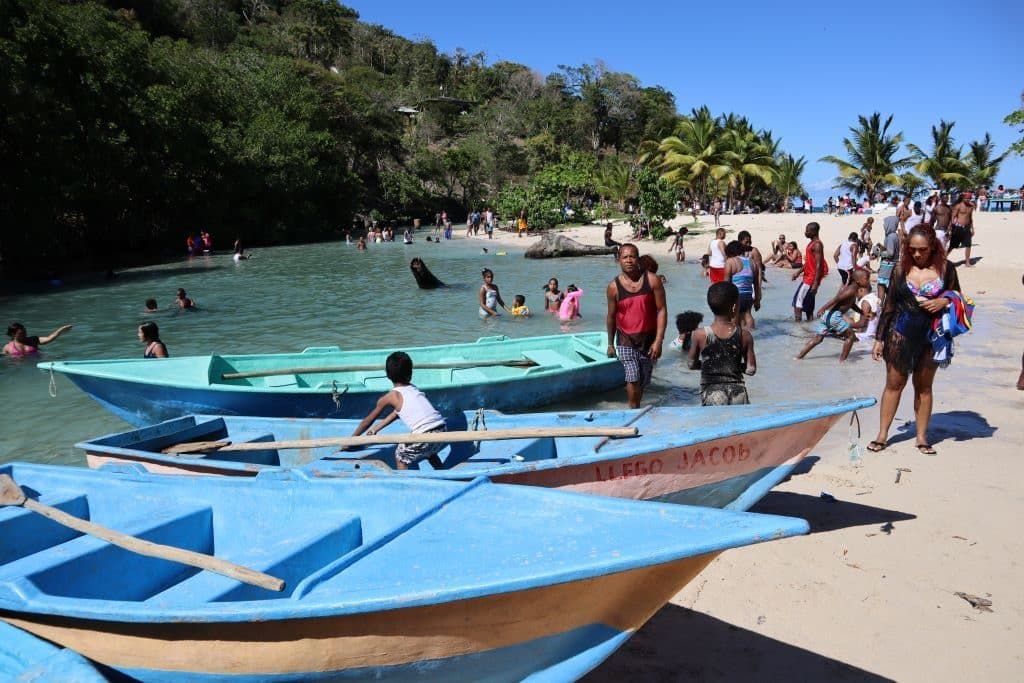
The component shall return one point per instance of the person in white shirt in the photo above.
(415, 410)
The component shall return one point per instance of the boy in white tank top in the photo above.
(414, 409)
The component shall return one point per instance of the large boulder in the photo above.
(553, 245)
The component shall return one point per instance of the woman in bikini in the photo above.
(149, 334)
(23, 345)
(915, 298)
(552, 297)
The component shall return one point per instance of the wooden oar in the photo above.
(429, 437)
(454, 365)
(602, 442)
(11, 494)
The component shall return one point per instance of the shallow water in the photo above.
(288, 298)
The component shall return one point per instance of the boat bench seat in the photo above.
(80, 567)
(298, 551)
(548, 359)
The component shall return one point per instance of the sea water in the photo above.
(284, 299)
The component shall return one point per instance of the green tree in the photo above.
(982, 162)
(872, 162)
(787, 181)
(943, 164)
(614, 181)
(1016, 119)
(657, 200)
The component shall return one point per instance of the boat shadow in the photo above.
(958, 425)
(828, 513)
(680, 644)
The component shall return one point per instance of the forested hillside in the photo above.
(127, 124)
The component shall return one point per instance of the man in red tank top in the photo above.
(815, 268)
(636, 321)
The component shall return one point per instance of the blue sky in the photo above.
(797, 68)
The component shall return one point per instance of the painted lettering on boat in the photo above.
(701, 458)
(713, 457)
(627, 469)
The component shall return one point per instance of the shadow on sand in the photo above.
(828, 514)
(679, 644)
(958, 425)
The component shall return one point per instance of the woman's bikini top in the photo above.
(928, 290)
(24, 350)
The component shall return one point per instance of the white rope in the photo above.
(53, 385)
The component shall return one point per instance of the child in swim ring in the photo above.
(519, 308)
(570, 307)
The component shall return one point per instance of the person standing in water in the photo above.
(636, 321)
(716, 257)
(723, 351)
(814, 270)
(23, 345)
(149, 334)
(490, 297)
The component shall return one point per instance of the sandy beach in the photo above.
(870, 594)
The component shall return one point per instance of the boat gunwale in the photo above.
(82, 367)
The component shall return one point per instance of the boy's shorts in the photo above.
(638, 365)
(803, 299)
(885, 269)
(730, 394)
(832, 323)
(412, 453)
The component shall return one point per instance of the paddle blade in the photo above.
(10, 492)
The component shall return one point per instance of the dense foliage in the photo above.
(128, 124)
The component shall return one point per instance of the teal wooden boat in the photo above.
(384, 578)
(727, 457)
(493, 372)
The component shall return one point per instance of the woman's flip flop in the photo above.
(877, 446)
(926, 449)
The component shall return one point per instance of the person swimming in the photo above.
(184, 302)
(519, 308)
(22, 344)
(552, 297)
(151, 306)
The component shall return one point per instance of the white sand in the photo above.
(869, 594)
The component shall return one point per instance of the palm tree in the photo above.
(787, 178)
(694, 158)
(982, 168)
(910, 184)
(871, 161)
(615, 181)
(750, 160)
(944, 165)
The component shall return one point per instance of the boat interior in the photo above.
(41, 558)
(463, 456)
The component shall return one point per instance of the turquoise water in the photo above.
(288, 298)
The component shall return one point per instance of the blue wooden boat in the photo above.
(385, 578)
(494, 372)
(25, 658)
(725, 457)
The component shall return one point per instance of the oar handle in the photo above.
(11, 494)
(428, 437)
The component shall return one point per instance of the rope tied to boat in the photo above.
(479, 419)
(53, 385)
(335, 396)
(856, 450)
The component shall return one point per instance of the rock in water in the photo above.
(424, 278)
(557, 246)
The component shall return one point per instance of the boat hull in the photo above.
(733, 473)
(552, 633)
(141, 403)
